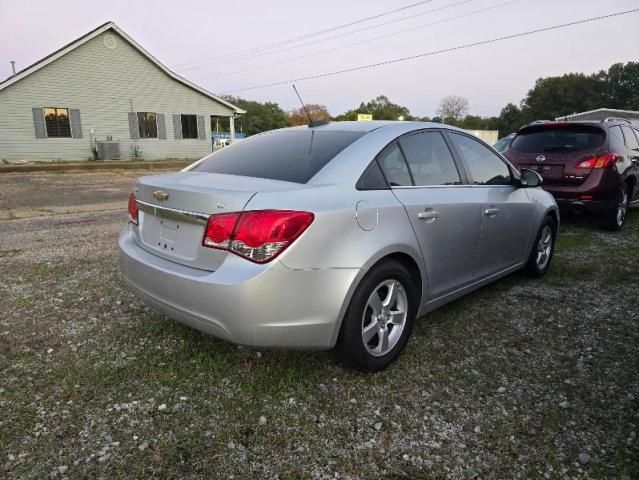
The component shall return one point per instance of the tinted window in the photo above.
(484, 166)
(563, 137)
(429, 159)
(394, 166)
(631, 140)
(373, 179)
(288, 155)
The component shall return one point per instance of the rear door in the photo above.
(506, 211)
(424, 177)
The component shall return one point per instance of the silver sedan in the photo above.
(335, 235)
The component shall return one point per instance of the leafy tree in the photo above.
(452, 109)
(553, 97)
(381, 108)
(259, 117)
(317, 112)
(510, 119)
(622, 86)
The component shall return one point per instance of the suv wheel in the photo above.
(379, 318)
(543, 248)
(615, 216)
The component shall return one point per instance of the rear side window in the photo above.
(631, 140)
(287, 155)
(394, 167)
(429, 159)
(553, 138)
(484, 165)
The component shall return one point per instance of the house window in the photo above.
(148, 125)
(189, 126)
(57, 122)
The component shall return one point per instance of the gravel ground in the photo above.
(522, 379)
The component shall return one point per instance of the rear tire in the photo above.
(615, 216)
(543, 248)
(379, 318)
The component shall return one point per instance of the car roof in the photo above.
(369, 126)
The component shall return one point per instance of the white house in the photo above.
(104, 96)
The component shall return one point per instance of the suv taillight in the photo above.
(604, 161)
(133, 210)
(259, 235)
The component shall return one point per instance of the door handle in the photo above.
(491, 212)
(429, 214)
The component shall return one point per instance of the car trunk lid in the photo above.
(174, 209)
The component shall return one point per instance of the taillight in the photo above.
(258, 236)
(604, 161)
(133, 210)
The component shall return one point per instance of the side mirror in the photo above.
(530, 178)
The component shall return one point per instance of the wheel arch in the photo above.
(407, 257)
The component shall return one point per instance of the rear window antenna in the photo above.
(311, 123)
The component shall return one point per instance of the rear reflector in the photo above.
(604, 161)
(133, 210)
(258, 236)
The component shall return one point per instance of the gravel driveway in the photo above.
(523, 379)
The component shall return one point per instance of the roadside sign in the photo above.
(364, 117)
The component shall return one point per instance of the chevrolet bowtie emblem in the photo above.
(160, 196)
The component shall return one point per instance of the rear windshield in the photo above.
(552, 138)
(288, 155)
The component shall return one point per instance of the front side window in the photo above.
(147, 125)
(189, 126)
(394, 167)
(429, 159)
(57, 122)
(484, 166)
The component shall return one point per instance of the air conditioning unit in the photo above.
(108, 150)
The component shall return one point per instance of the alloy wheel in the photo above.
(384, 317)
(544, 247)
(622, 209)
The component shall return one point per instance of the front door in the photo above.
(506, 211)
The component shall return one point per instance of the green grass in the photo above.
(528, 336)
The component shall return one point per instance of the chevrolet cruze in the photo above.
(333, 235)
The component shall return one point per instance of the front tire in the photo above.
(543, 248)
(379, 318)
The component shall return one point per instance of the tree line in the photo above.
(550, 98)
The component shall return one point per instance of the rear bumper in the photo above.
(257, 305)
(582, 206)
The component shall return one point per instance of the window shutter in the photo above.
(38, 122)
(201, 129)
(161, 126)
(76, 125)
(133, 126)
(177, 126)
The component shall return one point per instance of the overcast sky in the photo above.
(188, 31)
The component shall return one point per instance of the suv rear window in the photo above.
(287, 155)
(554, 138)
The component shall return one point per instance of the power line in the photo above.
(248, 56)
(436, 52)
(313, 34)
(368, 40)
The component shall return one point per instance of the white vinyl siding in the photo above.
(105, 86)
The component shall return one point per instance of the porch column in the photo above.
(232, 129)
